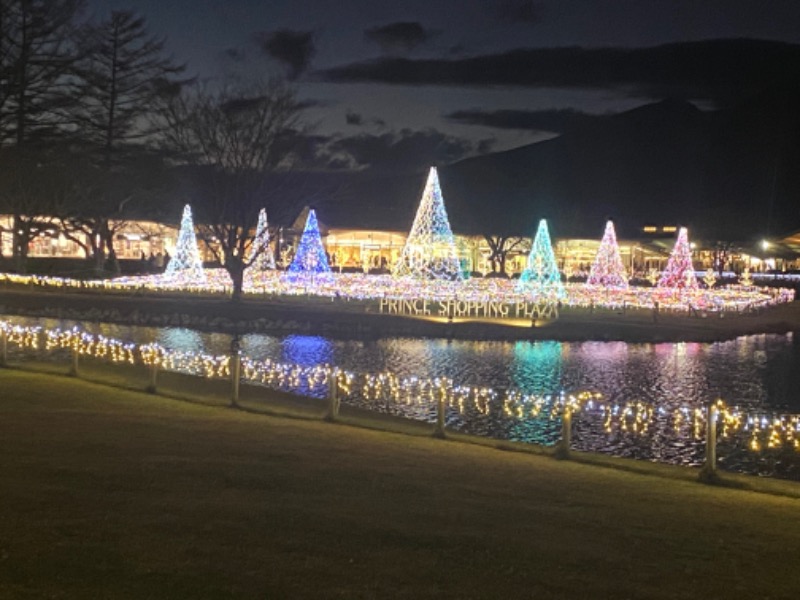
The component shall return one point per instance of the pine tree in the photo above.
(261, 255)
(430, 251)
(541, 278)
(607, 269)
(310, 260)
(679, 272)
(186, 263)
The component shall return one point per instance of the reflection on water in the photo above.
(306, 350)
(753, 372)
(176, 338)
(536, 367)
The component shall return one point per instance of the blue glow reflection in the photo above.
(307, 350)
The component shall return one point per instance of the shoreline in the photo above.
(359, 320)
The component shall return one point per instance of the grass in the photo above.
(114, 493)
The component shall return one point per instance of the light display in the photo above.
(359, 287)
(261, 249)
(541, 278)
(310, 260)
(186, 263)
(763, 430)
(430, 251)
(679, 272)
(607, 269)
(710, 278)
(746, 279)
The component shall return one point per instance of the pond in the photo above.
(754, 373)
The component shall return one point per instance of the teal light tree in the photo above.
(541, 279)
(186, 264)
(607, 269)
(430, 251)
(679, 272)
(261, 255)
(310, 263)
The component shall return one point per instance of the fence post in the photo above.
(562, 448)
(152, 387)
(440, 410)
(709, 471)
(3, 347)
(74, 355)
(333, 397)
(236, 370)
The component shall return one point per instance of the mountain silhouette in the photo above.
(728, 174)
(731, 174)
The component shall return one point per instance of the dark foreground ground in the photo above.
(109, 493)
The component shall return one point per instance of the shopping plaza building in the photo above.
(351, 249)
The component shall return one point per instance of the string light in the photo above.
(430, 250)
(360, 287)
(261, 249)
(607, 269)
(310, 264)
(387, 390)
(186, 264)
(541, 278)
(679, 272)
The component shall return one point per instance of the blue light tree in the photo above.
(186, 264)
(541, 278)
(430, 251)
(310, 263)
(261, 255)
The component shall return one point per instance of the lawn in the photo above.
(108, 493)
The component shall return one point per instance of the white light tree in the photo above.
(430, 251)
(186, 265)
(261, 255)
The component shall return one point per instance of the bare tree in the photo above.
(31, 186)
(37, 54)
(234, 139)
(124, 77)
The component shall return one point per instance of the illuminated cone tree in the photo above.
(679, 272)
(607, 269)
(541, 278)
(186, 264)
(261, 256)
(310, 262)
(430, 251)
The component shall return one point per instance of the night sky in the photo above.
(433, 81)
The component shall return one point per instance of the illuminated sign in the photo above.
(461, 309)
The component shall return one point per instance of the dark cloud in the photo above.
(719, 70)
(403, 149)
(292, 48)
(312, 103)
(517, 11)
(401, 37)
(353, 118)
(486, 145)
(234, 54)
(553, 120)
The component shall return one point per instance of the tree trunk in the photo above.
(20, 246)
(113, 262)
(235, 268)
